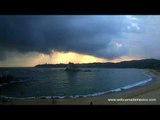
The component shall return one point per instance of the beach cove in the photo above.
(147, 94)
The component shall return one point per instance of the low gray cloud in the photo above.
(92, 35)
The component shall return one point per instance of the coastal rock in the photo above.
(72, 67)
(5, 77)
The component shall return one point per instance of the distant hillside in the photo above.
(145, 63)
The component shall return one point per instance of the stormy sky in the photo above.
(108, 37)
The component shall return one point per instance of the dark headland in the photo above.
(141, 64)
(148, 91)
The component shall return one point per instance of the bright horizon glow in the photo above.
(56, 39)
(32, 59)
(62, 57)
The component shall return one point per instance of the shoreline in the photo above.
(149, 90)
(140, 83)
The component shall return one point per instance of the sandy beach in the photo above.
(148, 94)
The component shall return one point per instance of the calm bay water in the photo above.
(36, 82)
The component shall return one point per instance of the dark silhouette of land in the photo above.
(141, 64)
(72, 67)
(6, 77)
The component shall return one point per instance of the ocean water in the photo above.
(55, 82)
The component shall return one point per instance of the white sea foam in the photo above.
(89, 95)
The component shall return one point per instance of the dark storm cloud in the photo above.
(92, 35)
(146, 44)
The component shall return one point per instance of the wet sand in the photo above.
(148, 94)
